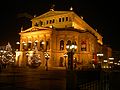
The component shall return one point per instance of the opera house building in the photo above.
(51, 32)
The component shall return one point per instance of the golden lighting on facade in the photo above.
(29, 41)
(36, 40)
(54, 40)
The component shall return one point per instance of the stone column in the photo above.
(45, 42)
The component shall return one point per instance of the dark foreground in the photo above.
(32, 79)
(36, 79)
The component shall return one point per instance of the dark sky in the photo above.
(97, 13)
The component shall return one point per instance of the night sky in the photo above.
(97, 13)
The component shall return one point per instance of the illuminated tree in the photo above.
(6, 55)
(34, 60)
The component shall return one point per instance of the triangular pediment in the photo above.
(32, 29)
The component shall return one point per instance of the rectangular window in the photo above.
(59, 19)
(29, 45)
(53, 21)
(83, 49)
(83, 46)
(40, 23)
(50, 21)
(63, 19)
(47, 22)
(70, 19)
(66, 18)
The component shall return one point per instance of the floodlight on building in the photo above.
(42, 42)
(29, 41)
(23, 42)
(51, 26)
(36, 40)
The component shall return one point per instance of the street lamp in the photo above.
(71, 48)
(65, 55)
(47, 56)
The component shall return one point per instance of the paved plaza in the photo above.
(57, 79)
(32, 79)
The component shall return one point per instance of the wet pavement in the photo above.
(57, 79)
(32, 79)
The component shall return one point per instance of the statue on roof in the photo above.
(71, 8)
(52, 7)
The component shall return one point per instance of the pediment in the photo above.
(32, 29)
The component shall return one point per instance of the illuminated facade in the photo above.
(52, 31)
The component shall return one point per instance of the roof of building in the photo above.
(77, 21)
(52, 13)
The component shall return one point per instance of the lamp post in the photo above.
(100, 55)
(71, 48)
(71, 81)
(47, 56)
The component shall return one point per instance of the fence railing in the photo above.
(92, 81)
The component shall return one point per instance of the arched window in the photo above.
(83, 45)
(41, 44)
(61, 45)
(36, 24)
(68, 42)
(40, 23)
(24, 46)
(36, 42)
(29, 45)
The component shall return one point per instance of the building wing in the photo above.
(64, 19)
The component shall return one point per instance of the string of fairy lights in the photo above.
(6, 55)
